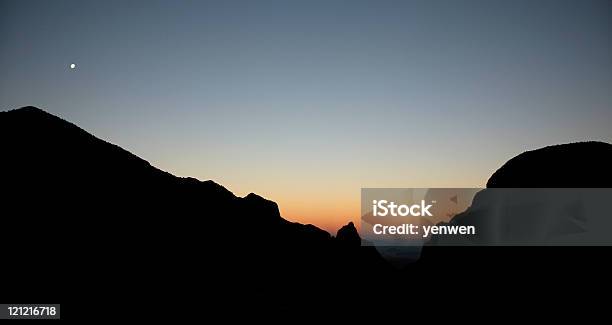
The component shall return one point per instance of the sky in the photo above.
(306, 102)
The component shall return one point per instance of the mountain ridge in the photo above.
(41, 116)
(67, 185)
(32, 112)
(103, 220)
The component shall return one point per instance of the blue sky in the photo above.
(305, 102)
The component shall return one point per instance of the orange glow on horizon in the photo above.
(331, 199)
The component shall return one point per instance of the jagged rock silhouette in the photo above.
(348, 235)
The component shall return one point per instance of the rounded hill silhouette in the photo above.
(581, 164)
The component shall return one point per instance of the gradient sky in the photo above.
(305, 102)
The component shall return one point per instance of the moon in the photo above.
(72, 66)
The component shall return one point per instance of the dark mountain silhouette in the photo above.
(583, 164)
(93, 220)
(514, 269)
(575, 165)
(110, 219)
(348, 235)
